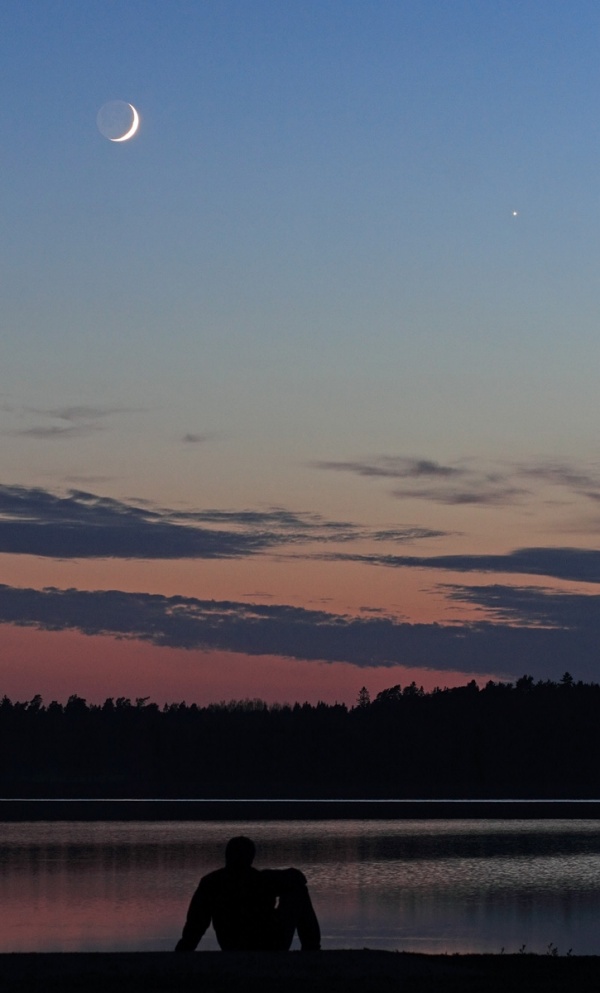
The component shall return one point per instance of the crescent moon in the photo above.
(134, 126)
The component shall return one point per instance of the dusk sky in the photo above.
(299, 385)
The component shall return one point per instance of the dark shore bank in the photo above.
(265, 810)
(325, 972)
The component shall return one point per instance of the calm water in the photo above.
(433, 886)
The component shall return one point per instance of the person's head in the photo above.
(239, 853)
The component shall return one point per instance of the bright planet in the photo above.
(118, 120)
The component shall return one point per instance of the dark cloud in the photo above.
(505, 649)
(81, 525)
(34, 521)
(535, 606)
(575, 564)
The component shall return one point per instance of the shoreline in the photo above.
(349, 971)
(87, 809)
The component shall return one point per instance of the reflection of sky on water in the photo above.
(422, 886)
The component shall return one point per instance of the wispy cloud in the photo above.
(473, 481)
(561, 474)
(393, 467)
(485, 493)
(195, 439)
(51, 432)
(35, 521)
(87, 480)
(544, 634)
(73, 421)
(81, 412)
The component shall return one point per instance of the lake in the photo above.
(455, 885)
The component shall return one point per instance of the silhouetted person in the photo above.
(251, 910)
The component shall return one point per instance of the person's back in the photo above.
(242, 904)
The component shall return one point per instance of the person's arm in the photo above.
(290, 886)
(197, 921)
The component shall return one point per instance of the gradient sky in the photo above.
(299, 387)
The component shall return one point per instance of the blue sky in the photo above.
(347, 268)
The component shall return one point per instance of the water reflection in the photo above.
(412, 885)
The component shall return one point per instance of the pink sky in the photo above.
(56, 665)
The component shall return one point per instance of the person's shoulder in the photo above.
(212, 877)
(284, 878)
(227, 874)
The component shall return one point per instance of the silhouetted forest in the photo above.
(523, 740)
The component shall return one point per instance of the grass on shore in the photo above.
(350, 971)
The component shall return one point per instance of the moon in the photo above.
(118, 121)
(135, 123)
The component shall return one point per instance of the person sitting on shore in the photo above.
(251, 909)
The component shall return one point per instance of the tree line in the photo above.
(524, 739)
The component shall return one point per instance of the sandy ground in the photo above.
(296, 972)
